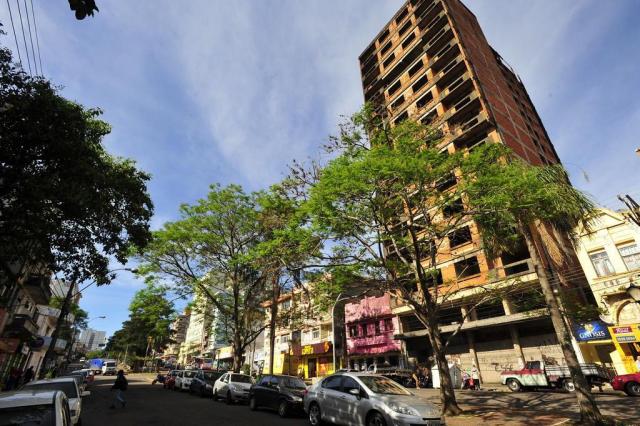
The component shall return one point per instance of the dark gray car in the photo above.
(363, 399)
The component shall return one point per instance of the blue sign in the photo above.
(594, 330)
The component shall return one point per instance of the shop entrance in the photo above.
(311, 367)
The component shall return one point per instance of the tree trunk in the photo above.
(237, 355)
(64, 311)
(589, 412)
(447, 395)
(273, 310)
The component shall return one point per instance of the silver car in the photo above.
(365, 399)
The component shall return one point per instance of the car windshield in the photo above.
(110, 364)
(41, 415)
(189, 374)
(69, 388)
(382, 385)
(240, 378)
(293, 383)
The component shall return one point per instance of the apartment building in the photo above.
(178, 335)
(431, 62)
(609, 253)
(303, 338)
(91, 339)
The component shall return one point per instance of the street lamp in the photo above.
(634, 291)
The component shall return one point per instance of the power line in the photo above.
(35, 27)
(24, 38)
(14, 33)
(33, 51)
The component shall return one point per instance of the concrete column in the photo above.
(473, 353)
(508, 306)
(515, 338)
(472, 314)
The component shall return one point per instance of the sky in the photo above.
(212, 91)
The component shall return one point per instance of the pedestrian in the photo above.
(475, 376)
(28, 375)
(120, 386)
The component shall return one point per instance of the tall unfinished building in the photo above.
(432, 63)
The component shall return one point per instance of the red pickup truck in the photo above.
(629, 383)
(537, 375)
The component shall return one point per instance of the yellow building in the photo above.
(610, 257)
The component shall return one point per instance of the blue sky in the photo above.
(209, 91)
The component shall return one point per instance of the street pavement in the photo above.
(153, 405)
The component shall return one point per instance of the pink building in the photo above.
(370, 327)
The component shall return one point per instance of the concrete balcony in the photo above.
(22, 325)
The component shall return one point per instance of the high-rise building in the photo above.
(92, 339)
(432, 63)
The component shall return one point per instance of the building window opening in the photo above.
(389, 60)
(490, 309)
(388, 324)
(420, 83)
(402, 15)
(460, 237)
(401, 118)
(315, 334)
(393, 89)
(415, 69)
(405, 28)
(454, 207)
(601, 263)
(377, 327)
(467, 268)
(408, 40)
(631, 256)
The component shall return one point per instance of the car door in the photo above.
(328, 396)
(223, 385)
(272, 392)
(178, 382)
(259, 391)
(346, 403)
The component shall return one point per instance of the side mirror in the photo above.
(85, 393)
(355, 392)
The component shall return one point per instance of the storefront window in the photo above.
(631, 256)
(601, 263)
(353, 331)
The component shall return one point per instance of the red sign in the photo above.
(618, 330)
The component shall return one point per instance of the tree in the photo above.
(207, 251)
(83, 8)
(540, 204)
(394, 202)
(67, 204)
(149, 323)
(285, 250)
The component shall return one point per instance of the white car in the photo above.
(183, 379)
(69, 386)
(24, 407)
(232, 387)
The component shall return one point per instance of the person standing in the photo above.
(120, 386)
(475, 376)
(28, 375)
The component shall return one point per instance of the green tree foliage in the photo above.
(67, 203)
(393, 202)
(83, 8)
(150, 318)
(207, 252)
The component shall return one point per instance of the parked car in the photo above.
(277, 392)
(183, 380)
(629, 383)
(69, 386)
(79, 378)
(537, 374)
(202, 383)
(86, 374)
(367, 399)
(44, 408)
(170, 380)
(232, 387)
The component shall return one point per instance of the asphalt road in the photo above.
(153, 405)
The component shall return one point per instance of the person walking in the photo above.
(120, 386)
(638, 363)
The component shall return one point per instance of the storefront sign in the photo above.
(620, 330)
(594, 330)
(317, 348)
(626, 339)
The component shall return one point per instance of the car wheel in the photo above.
(514, 385)
(376, 419)
(252, 404)
(228, 399)
(283, 409)
(568, 386)
(632, 389)
(315, 415)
